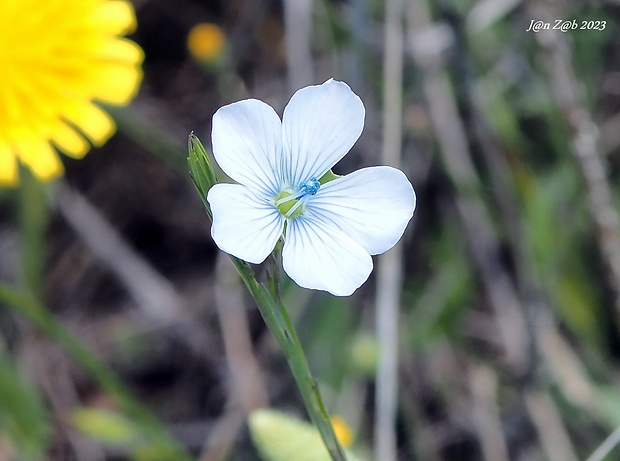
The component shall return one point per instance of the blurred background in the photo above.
(508, 324)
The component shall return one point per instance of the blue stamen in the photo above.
(310, 187)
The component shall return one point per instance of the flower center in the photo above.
(291, 203)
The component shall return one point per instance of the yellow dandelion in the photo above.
(206, 42)
(58, 59)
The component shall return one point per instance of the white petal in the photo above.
(247, 144)
(324, 259)
(244, 224)
(320, 125)
(371, 205)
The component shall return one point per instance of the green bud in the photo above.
(200, 169)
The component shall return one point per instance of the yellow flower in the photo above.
(206, 42)
(57, 58)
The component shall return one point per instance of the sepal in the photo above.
(200, 169)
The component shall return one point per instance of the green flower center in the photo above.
(289, 204)
(292, 205)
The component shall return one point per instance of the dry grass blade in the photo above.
(553, 436)
(389, 274)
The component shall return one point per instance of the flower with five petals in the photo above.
(331, 225)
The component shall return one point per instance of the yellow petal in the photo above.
(96, 124)
(11, 108)
(69, 141)
(39, 156)
(120, 50)
(115, 83)
(115, 17)
(8, 167)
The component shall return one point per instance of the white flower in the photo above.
(330, 229)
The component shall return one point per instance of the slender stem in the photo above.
(34, 216)
(275, 271)
(289, 328)
(279, 323)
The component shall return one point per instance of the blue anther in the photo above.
(310, 187)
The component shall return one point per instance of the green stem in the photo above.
(33, 220)
(39, 315)
(275, 271)
(279, 323)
